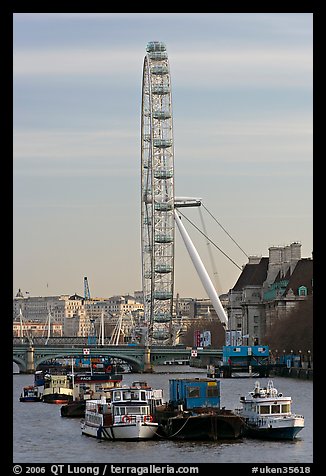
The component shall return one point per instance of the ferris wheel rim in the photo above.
(157, 194)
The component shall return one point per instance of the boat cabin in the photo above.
(195, 393)
(268, 408)
(266, 401)
(51, 381)
(90, 386)
(129, 395)
(138, 394)
(128, 404)
(30, 391)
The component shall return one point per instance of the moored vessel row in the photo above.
(113, 411)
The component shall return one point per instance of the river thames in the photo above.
(41, 435)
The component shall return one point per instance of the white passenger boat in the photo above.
(267, 414)
(127, 416)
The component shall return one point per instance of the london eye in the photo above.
(157, 195)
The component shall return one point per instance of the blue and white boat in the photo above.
(30, 393)
(267, 414)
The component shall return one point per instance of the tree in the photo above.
(295, 332)
(203, 324)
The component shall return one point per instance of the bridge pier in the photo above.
(30, 367)
(148, 368)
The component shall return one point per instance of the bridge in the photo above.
(29, 354)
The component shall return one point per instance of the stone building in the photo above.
(283, 295)
(74, 313)
(268, 289)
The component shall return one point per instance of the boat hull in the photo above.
(273, 433)
(57, 398)
(30, 399)
(73, 409)
(203, 427)
(133, 431)
(283, 429)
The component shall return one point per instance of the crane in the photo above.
(87, 294)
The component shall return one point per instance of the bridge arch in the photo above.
(41, 356)
(21, 363)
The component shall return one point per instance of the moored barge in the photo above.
(193, 412)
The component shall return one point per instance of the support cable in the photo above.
(225, 231)
(217, 281)
(228, 257)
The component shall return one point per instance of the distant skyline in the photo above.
(242, 115)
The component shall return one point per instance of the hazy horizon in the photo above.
(242, 116)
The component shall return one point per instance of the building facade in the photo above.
(75, 314)
(267, 290)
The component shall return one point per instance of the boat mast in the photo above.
(102, 328)
(201, 270)
(49, 327)
(72, 373)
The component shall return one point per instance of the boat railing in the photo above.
(133, 418)
(297, 416)
(267, 421)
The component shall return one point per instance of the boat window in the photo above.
(127, 395)
(143, 395)
(286, 408)
(193, 392)
(133, 410)
(275, 408)
(212, 391)
(264, 409)
(117, 396)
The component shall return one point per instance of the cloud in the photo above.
(242, 66)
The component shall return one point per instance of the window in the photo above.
(264, 409)
(134, 410)
(117, 396)
(286, 408)
(193, 392)
(302, 291)
(212, 391)
(275, 408)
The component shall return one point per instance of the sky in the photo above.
(242, 125)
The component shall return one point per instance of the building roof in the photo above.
(302, 276)
(252, 275)
(75, 297)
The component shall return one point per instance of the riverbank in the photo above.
(293, 372)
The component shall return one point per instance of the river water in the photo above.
(41, 435)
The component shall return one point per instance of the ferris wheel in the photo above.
(157, 194)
